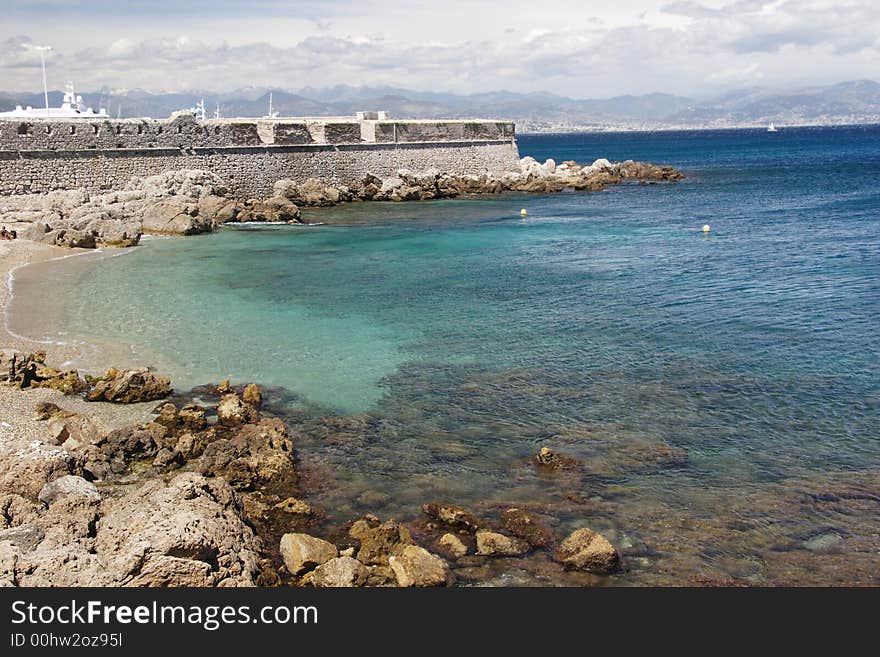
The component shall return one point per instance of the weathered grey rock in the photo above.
(187, 532)
(23, 537)
(26, 467)
(68, 486)
(302, 552)
(587, 550)
(490, 544)
(8, 562)
(341, 572)
(415, 566)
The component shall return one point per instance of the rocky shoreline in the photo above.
(209, 494)
(188, 202)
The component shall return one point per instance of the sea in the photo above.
(721, 389)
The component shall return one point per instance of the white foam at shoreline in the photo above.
(10, 286)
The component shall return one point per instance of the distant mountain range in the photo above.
(856, 101)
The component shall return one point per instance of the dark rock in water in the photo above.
(452, 515)
(378, 542)
(130, 387)
(550, 459)
(294, 506)
(587, 550)
(255, 455)
(526, 526)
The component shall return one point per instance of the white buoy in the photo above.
(706, 228)
(523, 213)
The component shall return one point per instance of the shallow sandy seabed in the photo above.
(17, 406)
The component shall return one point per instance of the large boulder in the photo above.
(27, 466)
(302, 552)
(68, 486)
(130, 387)
(341, 572)
(254, 455)
(415, 566)
(587, 550)
(189, 532)
(377, 542)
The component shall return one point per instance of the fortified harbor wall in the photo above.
(250, 155)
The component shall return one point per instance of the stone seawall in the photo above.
(249, 155)
(248, 172)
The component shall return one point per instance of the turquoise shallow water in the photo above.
(605, 325)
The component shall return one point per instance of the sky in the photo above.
(579, 49)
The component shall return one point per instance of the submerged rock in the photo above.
(453, 545)
(552, 460)
(452, 515)
(379, 541)
(491, 544)
(526, 526)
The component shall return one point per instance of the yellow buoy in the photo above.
(706, 228)
(523, 213)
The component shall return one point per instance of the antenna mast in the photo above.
(43, 50)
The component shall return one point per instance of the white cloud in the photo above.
(571, 48)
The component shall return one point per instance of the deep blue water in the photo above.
(602, 324)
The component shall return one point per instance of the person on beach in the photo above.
(5, 234)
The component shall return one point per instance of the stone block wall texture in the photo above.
(250, 155)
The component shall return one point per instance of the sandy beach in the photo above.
(16, 406)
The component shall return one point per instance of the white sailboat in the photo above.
(772, 128)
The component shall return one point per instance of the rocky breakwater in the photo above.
(192, 201)
(209, 494)
(532, 176)
(184, 202)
